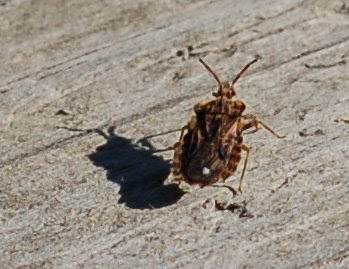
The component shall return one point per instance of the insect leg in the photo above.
(247, 149)
(163, 150)
(186, 127)
(254, 122)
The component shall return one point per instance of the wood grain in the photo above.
(91, 91)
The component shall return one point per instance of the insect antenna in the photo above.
(243, 70)
(212, 72)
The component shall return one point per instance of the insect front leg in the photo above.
(189, 126)
(252, 121)
(186, 127)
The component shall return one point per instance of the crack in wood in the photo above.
(307, 53)
(48, 68)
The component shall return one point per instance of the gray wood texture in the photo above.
(84, 83)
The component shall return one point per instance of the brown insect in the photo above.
(210, 150)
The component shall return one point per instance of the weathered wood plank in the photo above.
(72, 194)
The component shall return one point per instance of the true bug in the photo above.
(210, 150)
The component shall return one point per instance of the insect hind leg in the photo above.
(247, 149)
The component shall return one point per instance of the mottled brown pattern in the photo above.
(210, 145)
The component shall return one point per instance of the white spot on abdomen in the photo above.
(206, 171)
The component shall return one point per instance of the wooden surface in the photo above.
(78, 193)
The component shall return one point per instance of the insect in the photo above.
(210, 144)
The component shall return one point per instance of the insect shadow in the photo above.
(138, 171)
